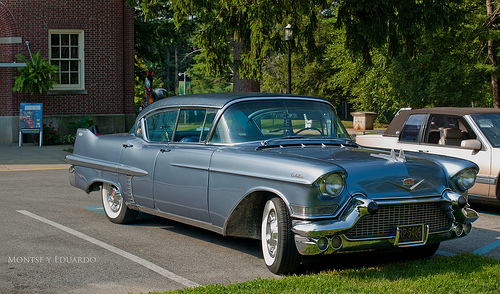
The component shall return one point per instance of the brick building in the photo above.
(92, 42)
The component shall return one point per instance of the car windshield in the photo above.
(489, 123)
(262, 120)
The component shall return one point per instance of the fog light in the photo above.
(336, 242)
(459, 230)
(467, 228)
(322, 243)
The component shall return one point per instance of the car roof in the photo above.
(211, 100)
(400, 118)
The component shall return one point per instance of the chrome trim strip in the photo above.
(489, 180)
(104, 165)
(181, 219)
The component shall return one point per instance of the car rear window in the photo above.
(412, 128)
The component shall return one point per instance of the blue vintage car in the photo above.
(274, 167)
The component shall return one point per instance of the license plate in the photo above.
(411, 234)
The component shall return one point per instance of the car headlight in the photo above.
(332, 184)
(466, 178)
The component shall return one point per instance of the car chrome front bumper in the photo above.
(329, 236)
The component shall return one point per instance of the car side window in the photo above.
(160, 126)
(191, 125)
(410, 132)
(449, 130)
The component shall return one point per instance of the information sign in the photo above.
(30, 121)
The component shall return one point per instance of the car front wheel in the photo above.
(114, 206)
(278, 245)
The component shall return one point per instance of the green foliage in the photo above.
(203, 83)
(258, 26)
(84, 123)
(383, 65)
(433, 81)
(37, 76)
(50, 135)
(69, 139)
(378, 55)
(399, 24)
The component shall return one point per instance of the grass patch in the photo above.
(463, 273)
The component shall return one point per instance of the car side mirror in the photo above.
(471, 144)
(353, 138)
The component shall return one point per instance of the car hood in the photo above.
(378, 174)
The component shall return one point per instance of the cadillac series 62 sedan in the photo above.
(279, 168)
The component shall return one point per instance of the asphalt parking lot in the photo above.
(55, 238)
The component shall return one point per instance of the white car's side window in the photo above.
(449, 130)
(410, 132)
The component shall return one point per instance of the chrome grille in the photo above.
(388, 217)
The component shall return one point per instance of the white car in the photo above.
(468, 133)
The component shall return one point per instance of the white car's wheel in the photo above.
(278, 245)
(114, 206)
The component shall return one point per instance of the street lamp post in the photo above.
(183, 73)
(288, 39)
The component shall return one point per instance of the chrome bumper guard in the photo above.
(328, 236)
(72, 176)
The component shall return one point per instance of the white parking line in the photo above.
(113, 249)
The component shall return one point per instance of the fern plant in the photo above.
(37, 76)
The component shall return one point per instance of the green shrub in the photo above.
(37, 76)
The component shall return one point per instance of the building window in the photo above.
(66, 51)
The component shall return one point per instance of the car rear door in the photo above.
(181, 171)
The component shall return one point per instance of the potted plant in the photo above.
(37, 76)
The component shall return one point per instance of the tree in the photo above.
(398, 24)
(160, 45)
(249, 30)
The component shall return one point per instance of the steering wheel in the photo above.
(305, 129)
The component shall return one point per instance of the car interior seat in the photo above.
(450, 136)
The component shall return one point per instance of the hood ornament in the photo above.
(392, 156)
(407, 182)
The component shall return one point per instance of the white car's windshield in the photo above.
(268, 119)
(489, 123)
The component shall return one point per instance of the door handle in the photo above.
(164, 150)
(127, 145)
(423, 151)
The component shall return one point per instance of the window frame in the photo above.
(81, 58)
(423, 119)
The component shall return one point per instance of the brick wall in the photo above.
(8, 28)
(108, 38)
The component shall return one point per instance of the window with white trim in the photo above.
(66, 51)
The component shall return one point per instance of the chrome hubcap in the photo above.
(114, 199)
(272, 233)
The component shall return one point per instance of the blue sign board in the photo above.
(30, 120)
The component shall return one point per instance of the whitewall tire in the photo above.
(277, 239)
(114, 206)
